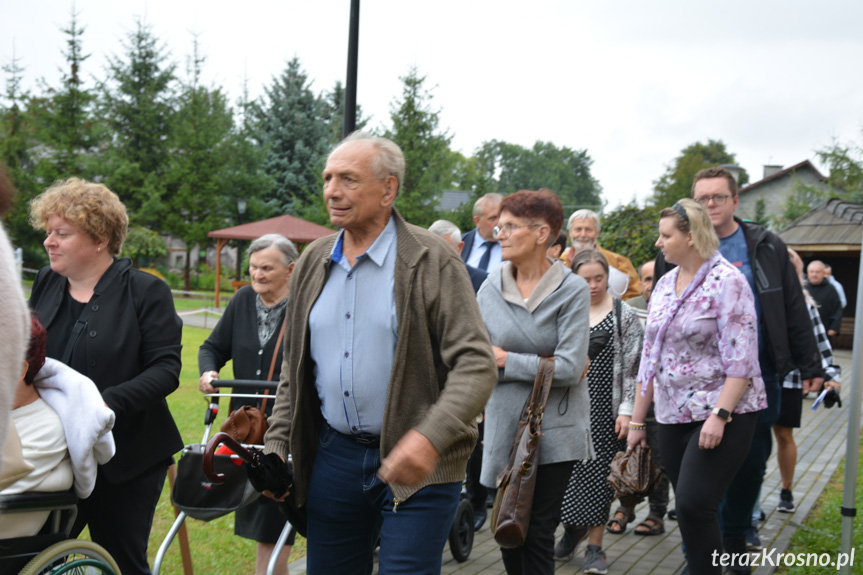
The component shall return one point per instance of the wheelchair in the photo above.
(51, 552)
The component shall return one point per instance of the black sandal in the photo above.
(617, 525)
(655, 527)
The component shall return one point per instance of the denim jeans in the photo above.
(348, 507)
(736, 509)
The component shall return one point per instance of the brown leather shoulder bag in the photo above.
(248, 424)
(510, 515)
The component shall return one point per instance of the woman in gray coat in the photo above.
(534, 306)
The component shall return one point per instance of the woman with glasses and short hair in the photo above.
(534, 306)
(700, 366)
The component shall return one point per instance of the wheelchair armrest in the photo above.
(36, 500)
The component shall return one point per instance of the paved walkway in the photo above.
(821, 446)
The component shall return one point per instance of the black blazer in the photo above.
(131, 350)
(477, 276)
(236, 337)
(468, 238)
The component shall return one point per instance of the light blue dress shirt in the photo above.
(354, 329)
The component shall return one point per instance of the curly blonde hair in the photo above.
(92, 207)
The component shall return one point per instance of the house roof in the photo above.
(295, 229)
(805, 164)
(835, 225)
(452, 200)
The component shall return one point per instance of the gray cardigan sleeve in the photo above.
(628, 358)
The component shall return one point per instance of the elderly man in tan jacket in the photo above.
(387, 365)
(584, 226)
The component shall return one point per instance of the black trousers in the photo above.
(120, 517)
(536, 556)
(700, 478)
(477, 491)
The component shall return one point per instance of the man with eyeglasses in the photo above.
(785, 338)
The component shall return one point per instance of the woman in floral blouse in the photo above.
(700, 366)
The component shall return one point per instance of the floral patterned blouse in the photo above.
(713, 336)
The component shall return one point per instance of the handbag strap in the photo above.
(273, 361)
(535, 408)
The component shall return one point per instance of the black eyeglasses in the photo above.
(718, 199)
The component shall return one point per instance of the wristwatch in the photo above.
(722, 414)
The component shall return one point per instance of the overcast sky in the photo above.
(631, 81)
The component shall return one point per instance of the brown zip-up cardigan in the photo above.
(443, 368)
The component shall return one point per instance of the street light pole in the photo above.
(241, 209)
(350, 120)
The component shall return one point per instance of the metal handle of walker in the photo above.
(235, 446)
(245, 384)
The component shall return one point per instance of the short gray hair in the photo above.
(446, 229)
(278, 241)
(584, 215)
(480, 203)
(389, 161)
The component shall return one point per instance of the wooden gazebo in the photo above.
(295, 229)
(832, 233)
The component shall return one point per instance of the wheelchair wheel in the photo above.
(73, 557)
(461, 532)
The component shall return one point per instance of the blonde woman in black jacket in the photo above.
(117, 326)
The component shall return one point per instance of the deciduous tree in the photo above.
(563, 170)
(676, 182)
(631, 231)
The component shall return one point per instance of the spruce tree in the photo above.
(138, 104)
(195, 179)
(429, 161)
(65, 118)
(16, 142)
(292, 128)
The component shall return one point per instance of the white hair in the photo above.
(278, 241)
(584, 215)
(446, 229)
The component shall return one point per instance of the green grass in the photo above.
(822, 530)
(214, 548)
(183, 303)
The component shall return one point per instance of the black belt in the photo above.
(366, 440)
(363, 439)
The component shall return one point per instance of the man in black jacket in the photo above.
(826, 296)
(785, 338)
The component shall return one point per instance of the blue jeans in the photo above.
(736, 508)
(348, 507)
